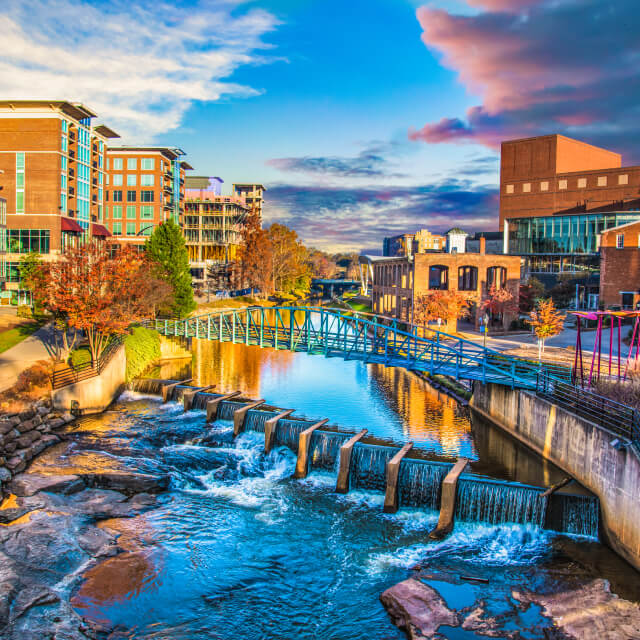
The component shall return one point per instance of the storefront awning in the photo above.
(71, 225)
(100, 230)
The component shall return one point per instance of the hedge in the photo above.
(142, 347)
(79, 357)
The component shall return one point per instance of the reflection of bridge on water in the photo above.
(354, 336)
(328, 287)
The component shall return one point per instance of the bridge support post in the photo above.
(240, 414)
(342, 485)
(448, 501)
(270, 429)
(214, 403)
(393, 469)
(168, 388)
(188, 396)
(304, 440)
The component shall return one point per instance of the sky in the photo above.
(363, 119)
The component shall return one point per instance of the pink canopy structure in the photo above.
(599, 316)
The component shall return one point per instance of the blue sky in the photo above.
(363, 119)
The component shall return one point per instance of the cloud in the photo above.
(562, 66)
(140, 65)
(355, 219)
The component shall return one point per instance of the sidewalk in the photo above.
(15, 360)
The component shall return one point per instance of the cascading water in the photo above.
(148, 385)
(255, 419)
(486, 500)
(227, 408)
(574, 514)
(324, 449)
(199, 402)
(419, 483)
(288, 431)
(368, 466)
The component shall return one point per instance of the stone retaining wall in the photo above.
(24, 435)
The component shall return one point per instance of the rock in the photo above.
(9, 515)
(128, 482)
(27, 439)
(28, 425)
(5, 475)
(56, 423)
(417, 608)
(7, 425)
(29, 483)
(42, 410)
(99, 503)
(97, 542)
(68, 417)
(12, 435)
(26, 415)
(16, 464)
(10, 447)
(590, 612)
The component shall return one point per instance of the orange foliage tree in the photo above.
(99, 293)
(446, 305)
(500, 302)
(546, 321)
(255, 258)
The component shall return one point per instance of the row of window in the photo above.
(28, 240)
(620, 242)
(132, 229)
(145, 180)
(146, 164)
(602, 181)
(145, 196)
(146, 211)
(467, 278)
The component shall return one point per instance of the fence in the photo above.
(71, 375)
(618, 418)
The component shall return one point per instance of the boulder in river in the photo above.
(127, 482)
(27, 484)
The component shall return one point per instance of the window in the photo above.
(562, 184)
(146, 211)
(131, 228)
(623, 179)
(28, 240)
(20, 180)
(131, 180)
(438, 277)
(19, 161)
(582, 183)
(63, 203)
(544, 186)
(146, 196)
(63, 143)
(602, 181)
(117, 211)
(620, 241)
(117, 179)
(132, 164)
(117, 229)
(131, 211)
(117, 164)
(467, 278)
(146, 180)
(131, 196)
(509, 188)
(20, 202)
(65, 126)
(496, 277)
(63, 163)
(117, 196)
(147, 230)
(526, 187)
(147, 164)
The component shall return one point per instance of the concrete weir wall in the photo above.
(94, 394)
(580, 448)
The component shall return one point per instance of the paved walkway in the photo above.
(26, 353)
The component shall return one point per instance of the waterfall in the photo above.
(148, 385)
(227, 408)
(419, 483)
(288, 430)
(201, 398)
(324, 449)
(369, 465)
(486, 500)
(255, 419)
(178, 392)
(574, 514)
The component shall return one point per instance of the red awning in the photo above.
(100, 230)
(71, 225)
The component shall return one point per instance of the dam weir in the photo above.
(419, 481)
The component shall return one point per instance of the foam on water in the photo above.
(131, 396)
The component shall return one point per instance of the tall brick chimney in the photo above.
(483, 245)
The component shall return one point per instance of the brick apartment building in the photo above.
(145, 187)
(3, 237)
(407, 244)
(53, 158)
(620, 266)
(557, 195)
(397, 282)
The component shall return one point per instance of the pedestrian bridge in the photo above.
(365, 337)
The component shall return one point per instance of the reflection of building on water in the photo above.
(426, 413)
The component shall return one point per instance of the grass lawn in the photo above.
(12, 337)
(359, 306)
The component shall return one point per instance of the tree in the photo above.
(289, 267)
(100, 294)
(499, 302)
(167, 248)
(449, 306)
(28, 266)
(255, 257)
(546, 321)
(529, 294)
(321, 264)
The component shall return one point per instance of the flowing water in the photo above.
(237, 549)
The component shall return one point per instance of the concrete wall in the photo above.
(94, 394)
(580, 448)
(173, 348)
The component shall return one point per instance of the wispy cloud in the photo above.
(540, 66)
(140, 64)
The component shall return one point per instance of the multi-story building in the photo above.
(407, 244)
(620, 266)
(212, 227)
(557, 195)
(3, 237)
(204, 184)
(253, 195)
(145, 187)
(53, 158)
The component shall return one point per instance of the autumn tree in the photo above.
(321, 264)
(166, 247)
(289, 267)
(255, 257)
(529, 293)
(449, 306)
(500, 302)
(101, 294)
(546, 321)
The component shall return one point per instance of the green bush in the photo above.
(79, 357)
(142, 347)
